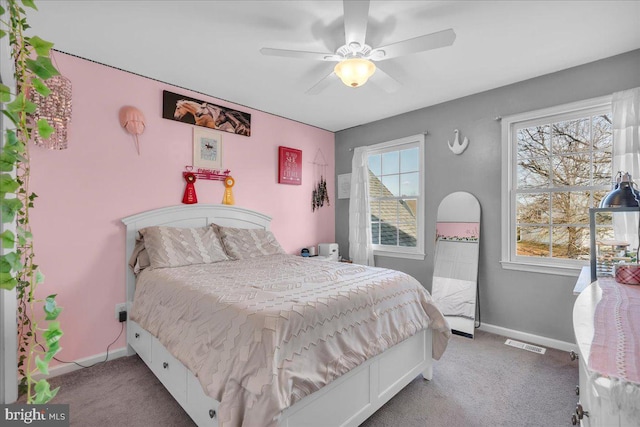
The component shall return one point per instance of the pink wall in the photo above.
(85, 190)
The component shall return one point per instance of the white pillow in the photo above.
(175, 247)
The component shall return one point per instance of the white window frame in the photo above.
(509, 259)
(8, 302)
(416, 252)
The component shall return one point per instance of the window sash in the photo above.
(510, 191)
(397, 250)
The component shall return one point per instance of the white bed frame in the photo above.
(347, 401)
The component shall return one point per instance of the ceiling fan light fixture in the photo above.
(354, 72)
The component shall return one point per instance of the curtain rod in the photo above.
(425, 133)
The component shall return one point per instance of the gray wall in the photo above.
(540, 304)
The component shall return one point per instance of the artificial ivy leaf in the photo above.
(30, 107)
(12, 116)
(23, 235)
(40, 86)
(42, 47)
(20, 104)
(7, 161)
(44, 396)
(8, 239)
(41, 386)
(39, 277)
(2, 32)
(8, 209)
(1, 10)
(52, 352)
(42, 67)
(17, 105)
(5, 92)
(5, 266)
(12, 139)
(54, 392)
(43, 392)
(8, 184)
(49, 304)
(42, 365)
(29, 3)
(53, 333)
(44, 129)
(53, 315)
(7, 281)
(13, 261)
(53, 349)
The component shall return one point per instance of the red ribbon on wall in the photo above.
(190, 197)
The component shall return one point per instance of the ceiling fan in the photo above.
(355, 57)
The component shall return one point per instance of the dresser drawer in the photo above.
(140, 340)
(202, 408)
(169, 371)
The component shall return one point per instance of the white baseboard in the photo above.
(65, 368)
(530, 338)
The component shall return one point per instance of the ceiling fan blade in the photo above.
(414, 45)
(325, 82)
(384, 81)
(318, 56)
(356, 15)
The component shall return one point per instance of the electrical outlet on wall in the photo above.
(119, 308)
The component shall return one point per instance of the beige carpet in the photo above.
(479, 382)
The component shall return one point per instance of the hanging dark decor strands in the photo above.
(320, 195)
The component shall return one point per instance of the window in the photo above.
(556, 165)
(396, 197)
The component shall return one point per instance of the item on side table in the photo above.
(329, 250)
(627, 273)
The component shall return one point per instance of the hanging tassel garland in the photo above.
(319, 195)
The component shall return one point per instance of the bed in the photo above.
(297, 358)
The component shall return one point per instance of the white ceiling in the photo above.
(213, 47)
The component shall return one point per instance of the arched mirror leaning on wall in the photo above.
(455, 267)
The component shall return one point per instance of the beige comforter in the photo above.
(260, 334)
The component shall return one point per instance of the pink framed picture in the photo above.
(289, 166)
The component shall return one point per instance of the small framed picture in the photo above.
(207, 149)
(289, 166)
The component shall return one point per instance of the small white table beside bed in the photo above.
(251, 336)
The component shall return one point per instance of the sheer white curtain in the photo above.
(626, 154)
(360, 248)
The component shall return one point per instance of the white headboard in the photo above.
(196, 215)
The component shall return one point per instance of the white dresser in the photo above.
(595, 407)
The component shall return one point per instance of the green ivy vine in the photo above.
(17, 262)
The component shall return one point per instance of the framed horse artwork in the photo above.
(185, 109)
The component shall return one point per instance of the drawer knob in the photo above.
(580, 412)
(137, 335)
(212, 413)
(165, 365)
(574, 420)
(573, 355)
